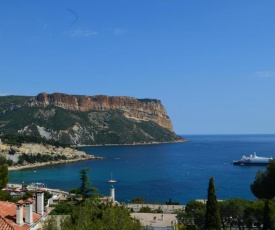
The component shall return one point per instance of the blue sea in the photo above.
(180, 171)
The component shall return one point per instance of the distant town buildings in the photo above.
(30, 214)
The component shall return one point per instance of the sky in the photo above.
(211, 63)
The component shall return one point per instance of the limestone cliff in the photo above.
(87, 120)
(143, 109)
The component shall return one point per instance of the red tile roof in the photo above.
(8, 213)
(4, 225)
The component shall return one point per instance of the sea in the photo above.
(159, 172)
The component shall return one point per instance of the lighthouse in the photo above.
(112, 193)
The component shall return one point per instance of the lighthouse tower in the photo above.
(112, 193)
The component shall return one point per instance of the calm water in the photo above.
(178, 171)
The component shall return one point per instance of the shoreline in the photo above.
(133, 144)
(44, 164)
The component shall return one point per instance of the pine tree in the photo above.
(212, 215)
(263, 188)
(84, 190)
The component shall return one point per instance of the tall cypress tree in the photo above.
(212, 215)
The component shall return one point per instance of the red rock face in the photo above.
(146, 109)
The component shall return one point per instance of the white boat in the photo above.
(253, 160)
(112, 180)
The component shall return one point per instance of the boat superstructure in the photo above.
(253, 160)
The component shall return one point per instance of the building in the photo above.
(165, 208)
(23, 215)
(157, 221)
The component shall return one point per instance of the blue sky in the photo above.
(211, 63)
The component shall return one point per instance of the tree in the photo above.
(139, 200)
(253, 214)
(50, 224)
(263, 187)
(62, 208)
(212, 215)
(232, 212)
(4, 173)
(84, 190)
(93, 216)
(170, 202)
(145, 210)
(194, 214)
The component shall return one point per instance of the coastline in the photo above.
(43, 164)
(132, 144)
(85, 157)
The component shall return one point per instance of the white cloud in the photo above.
(82, 33)
(265, 74)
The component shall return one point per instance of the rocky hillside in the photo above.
(28, 155)
(87, 120)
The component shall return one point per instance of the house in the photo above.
(23, 215)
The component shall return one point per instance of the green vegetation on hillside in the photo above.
(76, 127)
(18, 139)
(12, 99)
(39, 158)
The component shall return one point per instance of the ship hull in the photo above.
(241, 163)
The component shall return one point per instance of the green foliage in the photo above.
(39, 158)
(147, 100)
(18, 139)
(4, 177)
(146, 210)
(10, 162)
(62, 208)
(232, 211)
(212, 214)
(139, 200)
(50, 224)
(4, 195)
(84, 190)
(170, 202)
(12, 100)
(93, 216)
(263, 187)
(194, 214)
(253, 214)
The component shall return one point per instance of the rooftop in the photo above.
(8, 217)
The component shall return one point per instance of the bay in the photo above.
(179, 171)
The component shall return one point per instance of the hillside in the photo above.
(87, 120)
